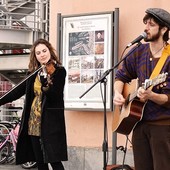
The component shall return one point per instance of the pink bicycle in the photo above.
(8, 141)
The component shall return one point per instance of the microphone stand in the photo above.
(103, 79)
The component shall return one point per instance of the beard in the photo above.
(154, 37)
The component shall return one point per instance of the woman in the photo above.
(42, 135)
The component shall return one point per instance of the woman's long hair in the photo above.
(33, 63)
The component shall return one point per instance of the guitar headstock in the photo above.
(155, 81)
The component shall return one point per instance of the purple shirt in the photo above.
(138, 65)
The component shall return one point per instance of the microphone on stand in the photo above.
(138, 39)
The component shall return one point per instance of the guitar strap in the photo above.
(159, 65)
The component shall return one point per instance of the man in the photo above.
(151, 136)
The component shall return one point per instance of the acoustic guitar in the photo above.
(127, 116)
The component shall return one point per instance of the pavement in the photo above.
(13, 167)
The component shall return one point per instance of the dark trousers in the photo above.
(39, 156)
(151, 146)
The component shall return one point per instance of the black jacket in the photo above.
(53, 132)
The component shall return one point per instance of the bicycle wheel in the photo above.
(4, 130)
(4, 150)
(29, 165)
(6, 147)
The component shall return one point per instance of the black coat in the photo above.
(53, 132)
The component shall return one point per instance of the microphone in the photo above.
(138, 39)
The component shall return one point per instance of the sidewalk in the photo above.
(13, 167)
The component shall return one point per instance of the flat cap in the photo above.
(160, 14)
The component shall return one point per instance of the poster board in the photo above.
(87, 46)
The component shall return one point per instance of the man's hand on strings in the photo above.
(143, 94)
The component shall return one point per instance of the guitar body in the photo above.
(126, 117)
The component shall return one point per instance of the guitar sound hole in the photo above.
(127, 101)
